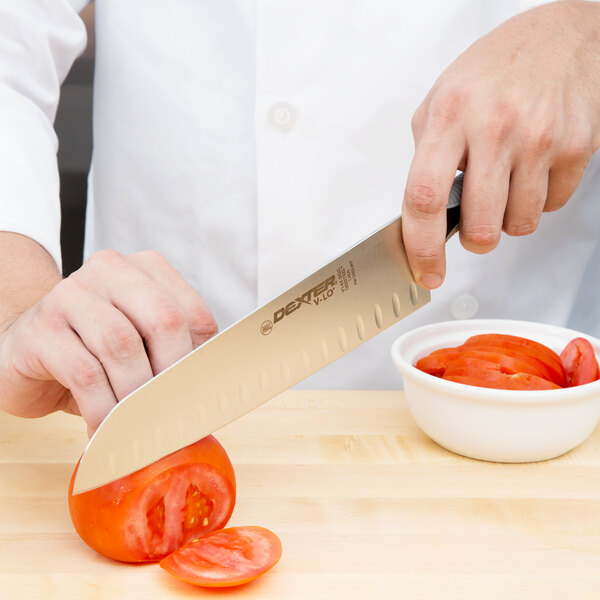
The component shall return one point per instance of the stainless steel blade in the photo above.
(328, 314)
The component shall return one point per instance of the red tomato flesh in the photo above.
(507, 360)
(225, 558)
(511, 362)
(579, 360)
(524, 346)
(495, 379)
(152, 512)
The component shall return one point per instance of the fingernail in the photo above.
(431, 280)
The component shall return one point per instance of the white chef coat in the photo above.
(250, 141)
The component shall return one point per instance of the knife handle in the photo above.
(453, 210)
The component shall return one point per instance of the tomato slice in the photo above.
(495, 379)
(507, 360)
(436, 362)
(524, 346)
(490, 361)
(460, 363)
(225, 558)
(579, 360)
(150, 513)
(512, 360)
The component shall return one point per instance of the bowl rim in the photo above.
(471, 392)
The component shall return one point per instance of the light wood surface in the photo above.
(367, 507)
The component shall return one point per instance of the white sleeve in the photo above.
(39, 41)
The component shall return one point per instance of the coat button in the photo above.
(283, 116)
(464, 307)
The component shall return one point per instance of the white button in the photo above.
(283, 116)
(464, 307)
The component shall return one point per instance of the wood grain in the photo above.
(365, 504)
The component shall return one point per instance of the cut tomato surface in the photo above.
(513, 362)
(506, 359)
(496, 379)
(579, 360)
(152, 512)
(436, 362)
(531, 348)
(225, 558)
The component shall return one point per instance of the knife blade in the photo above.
(363, 291)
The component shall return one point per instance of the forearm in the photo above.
(39, 42)
(27, 272)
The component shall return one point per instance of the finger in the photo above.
(562, 183)
(484, 197)
(156, 316)
(110, 337)
(424, 208)
(526, 199)
(69, 405)
(200, 320)
(66, 358)
(567, 171)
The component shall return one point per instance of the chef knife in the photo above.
(345, 303)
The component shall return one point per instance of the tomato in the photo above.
(524, 346)
(490, 360)
(152, 512)
(512, 362)
(461, 362)
(225, 558)
(580, 362)
(436, 365)
(496, 379)
(507, 360)
(436, 362)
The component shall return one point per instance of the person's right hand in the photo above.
(98, 335)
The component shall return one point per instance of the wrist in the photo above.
(27, 273)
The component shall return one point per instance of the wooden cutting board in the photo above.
(366, 506)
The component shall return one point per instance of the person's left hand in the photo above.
(519, 112)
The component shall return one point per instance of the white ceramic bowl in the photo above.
(490, 424)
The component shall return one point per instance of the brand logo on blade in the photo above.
(314, 296)
(266, 327)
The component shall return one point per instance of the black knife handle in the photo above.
(453, 210)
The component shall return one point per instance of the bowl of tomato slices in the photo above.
(500, 390)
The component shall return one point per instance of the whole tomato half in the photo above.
(147, 515)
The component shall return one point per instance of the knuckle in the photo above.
(202, 322)
(88, 373)
(416, 123)
(49, 319)
(481, 235)
(538, 139)
(168, 321)
(48, 312)
(498, 125)
(579, 149)
(425, 198)
(103, 258)
(151, 257)
(518, 229)
(447, 104)
(122, 342)
(427, 255)
(66, 288)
